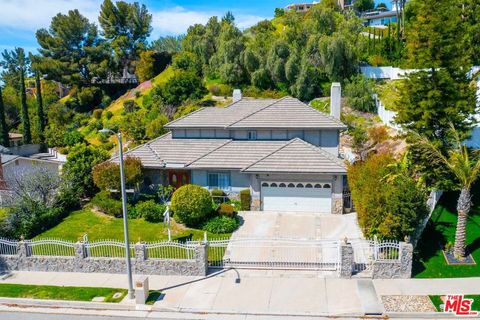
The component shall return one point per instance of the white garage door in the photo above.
(297, 196)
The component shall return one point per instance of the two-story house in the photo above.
(284, 151)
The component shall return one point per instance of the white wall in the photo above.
(24, 166)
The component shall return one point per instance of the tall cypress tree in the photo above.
(3, 124)
(27, 135)
(40, 114)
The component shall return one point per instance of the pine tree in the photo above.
(27, 135)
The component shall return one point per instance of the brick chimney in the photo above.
(336, 100)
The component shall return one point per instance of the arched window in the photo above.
(273, 185)
(308, 185)
(291, 185)
(282, 185)
(326, 186)
(299, 185)
(264, 184)
(317, 186)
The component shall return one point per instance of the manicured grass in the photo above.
(429, 261)
(59, 293)
(99, 226)
(475, 306)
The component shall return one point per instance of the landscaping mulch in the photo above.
(451, 260)
(408, 304)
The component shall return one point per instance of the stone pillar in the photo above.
(346, 259)
(80, 251)
(406, 258)
(337, 195)
(141, 253)
(201, 258)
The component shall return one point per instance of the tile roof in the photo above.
(287, 112)
(298, 156)
(165, 150)
(236, 154)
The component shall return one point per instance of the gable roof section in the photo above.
(287, 113)
(167, 151)
(217, 117)
(298, 156)
(236, 154)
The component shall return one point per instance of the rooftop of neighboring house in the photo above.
(284, 113)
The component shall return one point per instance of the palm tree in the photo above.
(465, 166)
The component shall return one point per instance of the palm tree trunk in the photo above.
(463, 207)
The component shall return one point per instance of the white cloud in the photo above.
(35, 14)
(176, 20)
(30, 15)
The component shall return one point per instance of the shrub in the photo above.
(183, 86)
(97, 113)
(104, 203)
(106, 175)
(221, 224)
(388, 209)
(129, 106)
(222, 90)
(109, 115)
(217, 195)
(191, 204)
(88, 98)
(226, 209)
(150, 211)
(359, 94)
(245, 199)
(71, 138)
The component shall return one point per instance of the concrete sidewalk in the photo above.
(262, 292)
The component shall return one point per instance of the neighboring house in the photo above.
(14, 166)
(284, 151)
(379, 17)
(300, 7)
(15, 139)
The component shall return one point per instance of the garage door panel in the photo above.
(297, 199)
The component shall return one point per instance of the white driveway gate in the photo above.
(275, 254)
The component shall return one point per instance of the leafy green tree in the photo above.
(389, 210)
(277, 58)
(262, 79)
(5, 141)
(71, 50)
(16, 64)
(106, 175)
(126, 26)
(151, 63)
(80, 162)
(228, 18)
(359, 94)
(183, 86)
(187, 61)
(363, 5)
(170, 44)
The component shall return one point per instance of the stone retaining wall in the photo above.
(141, 264)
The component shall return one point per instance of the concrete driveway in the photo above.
(274, 225)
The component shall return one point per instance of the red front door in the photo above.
(178, 178)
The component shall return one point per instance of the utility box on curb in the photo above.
(141, 290)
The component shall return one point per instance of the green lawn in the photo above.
(475, 306)
(429, 261)
(59, 293)
(99, 226)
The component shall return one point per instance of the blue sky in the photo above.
(19, 19)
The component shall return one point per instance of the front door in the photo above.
(178, 178)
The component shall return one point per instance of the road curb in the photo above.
(37, 303)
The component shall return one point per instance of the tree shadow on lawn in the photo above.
(429, 246)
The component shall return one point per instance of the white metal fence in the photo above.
(51, 247)
(108, 249)
(171, 250)
(8, 247)
(365, 252)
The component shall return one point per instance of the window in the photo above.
(219, 180)
(252, 135)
